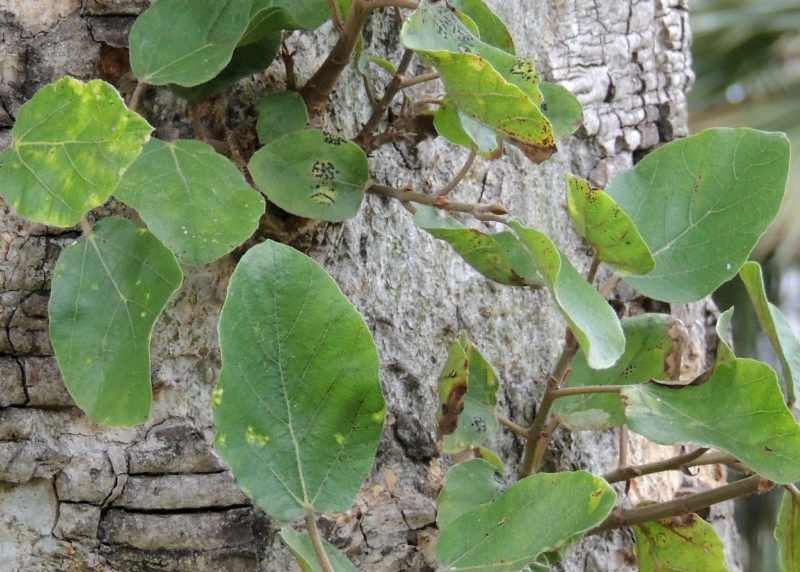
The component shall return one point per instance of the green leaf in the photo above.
(302, 548)
(468, 396)
(246, 61)
(652, 351)
(607, 228)
(701, 204)
(787, 533)
(491, 28)
(107, 293)
(467, 486)
(725, 351)
(192, 198)
(535, 515)
(740, 410)
(489, 254)
(280, 114)
(298, 407)
(776, 326)
(69, 146)
(681, 544)
(561, 108)
(593, 322)
(186, 42)
(493, 87)
(312, 174)
(270, 16)
(462, 130)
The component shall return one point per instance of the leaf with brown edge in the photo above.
(681, 544)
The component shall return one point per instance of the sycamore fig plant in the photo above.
(298, 407)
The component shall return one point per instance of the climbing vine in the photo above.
(298, 407)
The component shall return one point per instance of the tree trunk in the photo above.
(75, 496)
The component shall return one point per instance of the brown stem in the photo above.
(537, 428)
(492, 213)
(422, 78)
(364, 138)
(585, 390)
(317, 90)
(622, 459)
(288, 65)
(794, 491)
(335, 16)
(593, 269)
(86, 226)
(410, 4)
(518, 430)
(695, 458)
(316, 541)
(450, 187)
(136, 96)
(684, 505)
(541, 446)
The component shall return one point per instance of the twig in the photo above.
(794, 491)
(518, 430)
(316, 541)
(136, 96)
(416, 80)
(593, 269)
(493, 213)
(541, 446)
(684, 505)
(335, 16)
(410, 4)
(197, 124)
(449, 187)
(697, 458)
(622, 458)
(585, 390)
(86, 226)
(556, 379)
(364, 137)
(288, 65)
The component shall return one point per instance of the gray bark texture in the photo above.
(75, 496)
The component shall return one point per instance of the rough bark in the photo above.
(75, 496)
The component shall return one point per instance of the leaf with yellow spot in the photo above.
(682, 543)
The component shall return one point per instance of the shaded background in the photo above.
(747, 61)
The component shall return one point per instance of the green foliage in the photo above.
(592, 321)
(312, 174)
(201, 208)
(467, 486)
(288, 337)
(491, 29)
(725, 350)
(561, 108)
(701, 204)
(246, 61)
(740, 410)
(508, 531)
(107, 293)
(467, 397)
(461, 129)
(302, 548)
(777, 328)
(280, 114)
(270, 16)
(186, 42)
(681, 544)
(607, 228)
(651, 352)
(70, 144)
(787, 533)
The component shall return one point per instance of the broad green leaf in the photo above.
(491, 28)
(787, 534)
(725, 351)
(681, 544)
(298, 407)
(192, 198)
(776, 326)
(593, 322)
(467, 486)
(246, 61)
(535, 515)
(701, 204)
(650, 353)
(69, 146)
(493, 87)
(462, 130)
(302, 548)
(312, 174)
(186, 42)
(280, 114)
(467, 396)
(486, 253)
(270, 16)
(607, 228)
(561, 108)
(107, 293)
(740, 410)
